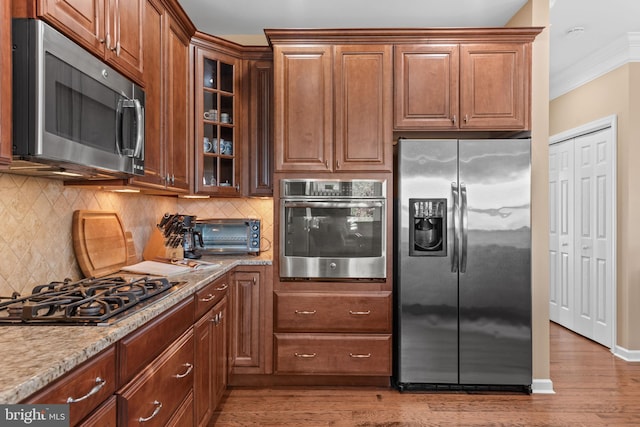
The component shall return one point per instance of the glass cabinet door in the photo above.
(217, 139)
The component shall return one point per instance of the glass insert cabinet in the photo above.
(217, 139)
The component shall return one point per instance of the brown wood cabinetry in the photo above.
(211, 349)
(333, 311)
(110, 29)
(166, 77)
(481, 83)
(155, 394)
(259, 163)
(84, 389)
(363, 77)
(251, 319)
(333, 354)
(217, 112)
(313, 135)
(105, 416)
(5, 83)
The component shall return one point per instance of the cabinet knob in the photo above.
(466, 118)
(454, 119)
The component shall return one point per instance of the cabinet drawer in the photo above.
(141, 347)
(327, 354)
(105, 416)
(333, 312)
(157, 391)
(210, 295)
(89, 385)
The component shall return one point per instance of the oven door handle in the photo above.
(345, 204)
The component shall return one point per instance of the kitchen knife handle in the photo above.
(456, 219)
(463, 252)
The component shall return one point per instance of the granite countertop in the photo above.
(34, 356)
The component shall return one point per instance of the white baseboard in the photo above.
(542, 387)
(627, 355)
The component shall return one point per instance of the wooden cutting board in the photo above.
(99, 242)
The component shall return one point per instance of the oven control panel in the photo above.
(333, 188)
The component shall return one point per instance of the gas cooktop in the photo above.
(92, 301)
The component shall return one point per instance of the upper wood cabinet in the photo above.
(166, 76)
(363, 77)
(303, 99)
(5, 83)
(259, 120)
(111, 29)
(332, 107)
(217, 126)
(467, 86)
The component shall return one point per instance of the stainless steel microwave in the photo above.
(229, 236)
(71, 110)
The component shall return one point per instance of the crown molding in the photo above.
(621, 51)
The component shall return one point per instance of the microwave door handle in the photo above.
(140, 123)
(354, 204)
(130, 103)
(119, 113)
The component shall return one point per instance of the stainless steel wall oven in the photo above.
(333, 229)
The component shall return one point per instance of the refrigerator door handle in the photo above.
(463, 226)
(456, 220)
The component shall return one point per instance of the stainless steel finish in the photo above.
(36, 44)
(339, 208)
(229, 235)
(468, 325)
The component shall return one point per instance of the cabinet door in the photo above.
(203, 375)
(220, 351)
(260, 128)
(154, 78)
(125, 24)
(426, 86)
(179, 148)
(83, 19)
(363, 82)
(5, 83)
(246, 320)
(217, 116)
(494, 86)
(303, 102)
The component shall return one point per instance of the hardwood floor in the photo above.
(593, 388)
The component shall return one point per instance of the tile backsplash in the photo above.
(36, 246)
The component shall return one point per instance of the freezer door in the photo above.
(495, 262)
(426, 280)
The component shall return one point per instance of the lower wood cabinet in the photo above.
(333, 333)
(155, 394)
(84, 389)
(333, 354)
(104, 416)
(251, 323)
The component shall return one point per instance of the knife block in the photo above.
(156, 248)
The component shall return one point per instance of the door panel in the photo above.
(427, 309)
(495, 268)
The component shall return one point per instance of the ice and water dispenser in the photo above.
(428, 227)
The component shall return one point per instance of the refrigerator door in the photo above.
(495, 262)
(427, 295)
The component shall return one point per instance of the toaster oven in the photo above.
(229, 236)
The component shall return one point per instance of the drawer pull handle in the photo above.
(208, 298)
(305, 355)
(305, 312)
(96, 388)
(223, 287)
(360, 356)
(158, 406)
(189, 367)
(360, 313)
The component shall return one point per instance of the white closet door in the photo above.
(594, 236)
(561, 240)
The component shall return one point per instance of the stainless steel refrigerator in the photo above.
(463, 264)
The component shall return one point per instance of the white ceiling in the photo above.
(611, 34)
